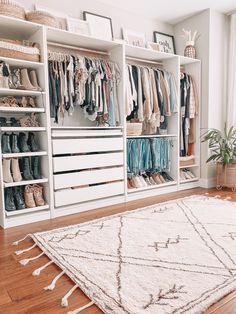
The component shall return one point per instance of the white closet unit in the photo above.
(84, 166)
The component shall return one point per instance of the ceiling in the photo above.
(171, 11)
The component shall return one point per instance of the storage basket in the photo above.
(134, 128)
(42, 17)
(12, 8)
(187, 161)
(15, 49)
(226, 176)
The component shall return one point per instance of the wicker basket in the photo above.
(134, 128)
(16, 50)
(226, 176)
(12, 8)
(41, 17)
(187, 161)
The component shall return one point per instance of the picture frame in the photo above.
(134, 38)
(60, 17)
(165, 41)
(78, 26)
(100, 26)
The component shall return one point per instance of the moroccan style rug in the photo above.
(170, 258)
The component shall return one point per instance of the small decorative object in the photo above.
(153, 46)
(41, 17)
(223, 148)
(134, 38)
(12, 9)
(166, 42)
(100, 26)
(190, 50)
(78, 26)
(61, 18)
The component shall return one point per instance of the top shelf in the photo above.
(186, 60)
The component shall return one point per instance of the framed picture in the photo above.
(100, 26)
(153, 46)
(78, 26)
(134, 38)
(165, 41)
(60, 17)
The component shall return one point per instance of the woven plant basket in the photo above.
(12, 9)
(226, 176)
(134, 128)
(41, 17)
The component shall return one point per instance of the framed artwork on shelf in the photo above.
(100, 26)
(78, 26)
(60, 17)
(166, 42)
(134, 38)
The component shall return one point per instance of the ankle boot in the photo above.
(32, 143)
(24, 148)
(9, 200)
(25, 81)
(6, 168)
(26, 170)
(14, 143)
(15, 79)
(18, 197)
(35, 163)
(29, 197)
(34, 80)
(16, 170)
(3, 122)
(38, 195)
(6, 147)
(14, 122)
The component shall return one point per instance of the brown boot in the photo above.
(29, 196)
(38, 195)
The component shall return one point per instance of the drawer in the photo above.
(69, 163)
(73, 179)
(86, 145)
(73, 196)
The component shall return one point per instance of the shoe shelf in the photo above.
(152, 136)
(21, 110)
(22, 63)
(27, 182)
(22, 129)
(151, 187)
(189, 180)
(190, 166)
(26, 211)
(21, 155)
(19, 92)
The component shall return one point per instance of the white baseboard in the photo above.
(207, 183)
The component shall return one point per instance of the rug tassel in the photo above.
(21, 240)
(64, 300)
(81, 308)
(228, 198)
(26, 250)
(217, 196)
(53, 284)
(37, 272)
(27, 260)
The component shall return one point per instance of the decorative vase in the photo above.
(190, 50)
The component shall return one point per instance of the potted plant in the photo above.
(223, 152)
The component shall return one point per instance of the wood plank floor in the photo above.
(20, 292)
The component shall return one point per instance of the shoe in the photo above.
(8, 101)
(29, 196)
(24, 148)
(156, 178)
(35, 164)
(31, 102)
(182, 175)
(16, 170)
(29, 121)
(187, 175)
(161, 178)
(18, 197)
(14, 143)
(34, 80)
(3, 122)
(9, 200)
(153, 182)
(14, 122)
(26, 169)
(5, 142)
(6, 169)
(191, 174)
(38, 195)
(15, 79)
(32, 143)
(25, 81)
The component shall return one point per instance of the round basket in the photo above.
(41, 17)
(134, 128)
(12, 8)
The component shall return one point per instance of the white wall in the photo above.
(120, 18)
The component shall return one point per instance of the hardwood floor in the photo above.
(20, 292)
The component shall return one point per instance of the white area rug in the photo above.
(170, 258)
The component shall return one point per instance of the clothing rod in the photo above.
(143, 60)
(54, 44)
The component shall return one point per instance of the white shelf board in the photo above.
(77, 40)
(19, 92)
(186, 60)
(22, 63)
(190, 166)
(189, 180)
(20, 155)
(28, 182)
(26, 211)
(147, 54)
(21, 110)
(21, 129)
(151, 187)
(86, 128)
(152, 136)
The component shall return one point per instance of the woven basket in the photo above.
(134, 128)
(13, 49)
(186, 161)
(12, 8)
(226, 176)
(41, 17)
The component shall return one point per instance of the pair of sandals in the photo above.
(24, 102)
(186, 174)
